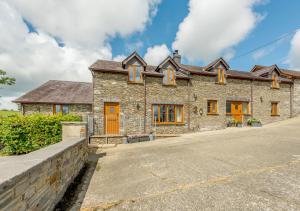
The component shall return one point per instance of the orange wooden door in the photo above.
(237, 111)
(112, 118)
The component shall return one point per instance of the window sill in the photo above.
(228, 114)
(169, 123)
(212, 114)
(275, 87)
(223, 83)
(135, 82)
(171, 85)
(275, 115)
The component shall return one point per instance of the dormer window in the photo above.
(221, 76)
(169, 76)
(135, 73)
(275, 81)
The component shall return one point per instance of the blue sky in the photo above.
(60, 39)
(279, 19)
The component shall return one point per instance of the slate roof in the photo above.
(113, 66)
(60, 92)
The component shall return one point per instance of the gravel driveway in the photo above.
(232, 169)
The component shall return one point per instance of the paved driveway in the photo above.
(232, 169)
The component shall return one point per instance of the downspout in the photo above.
(189, 105)
(292, 99)
(145, 104)
(252, 98)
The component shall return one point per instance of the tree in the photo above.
(4, 80)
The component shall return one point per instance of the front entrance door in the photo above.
(112, 118)
(237, 111)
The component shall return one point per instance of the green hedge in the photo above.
(24, 134)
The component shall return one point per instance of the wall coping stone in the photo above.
(13, 168)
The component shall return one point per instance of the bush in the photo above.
(253, 121)
(24, 134)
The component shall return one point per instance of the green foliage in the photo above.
(7, 113)
(253, 121)
(6, 80)
(24, 134)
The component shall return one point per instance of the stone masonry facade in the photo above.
(43, 108)
(193, 92)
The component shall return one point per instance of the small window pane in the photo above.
(245, 107)
(163, 113)
(138, 73)
(57, 109)
(155, 113)
(165, 79)
(65, 109)
(131, 73)
(228, 107)
(179, 114)
(171, 112)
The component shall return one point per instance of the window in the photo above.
(60, 109)
(275, 82)
(233, 107)
(167, 114)
(221, 76)
(169, 77)
(228, 107)
(246, 108)
(212, 107)
(274, 109)
(135, 73)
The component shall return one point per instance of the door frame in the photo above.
(104, 117)
(237, 116)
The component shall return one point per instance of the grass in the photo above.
(5, 113)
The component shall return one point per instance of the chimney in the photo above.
(177, 57)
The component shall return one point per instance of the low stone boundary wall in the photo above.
(38, 180)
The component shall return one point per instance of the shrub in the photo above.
(252, 121)
(24, 134)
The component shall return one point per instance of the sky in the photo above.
(60, 39)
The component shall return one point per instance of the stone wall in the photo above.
(263, 95)
(38, 180)
(296, 91)
(157, 93)
(78, 109)
(115, 88)
(192, 95)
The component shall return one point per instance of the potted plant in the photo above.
(239, 124)
(254, 122)
(231, 123)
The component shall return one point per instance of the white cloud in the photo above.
(87, 23)
(84, 27)
(213, 27)
(119, 58)
(294, 54)
(156, 54)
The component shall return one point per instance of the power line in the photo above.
(267, 44)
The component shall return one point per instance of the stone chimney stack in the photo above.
(177, 57)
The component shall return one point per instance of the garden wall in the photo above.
(38, 180)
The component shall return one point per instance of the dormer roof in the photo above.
(216, 62)
(165, 61)
(134, 55)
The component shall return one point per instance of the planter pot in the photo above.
(231, 125)
(239, 125)
(256, 124)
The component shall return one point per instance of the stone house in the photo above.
(55, 97)
(132, 97)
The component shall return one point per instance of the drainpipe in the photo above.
(145, 104)
(189, 105)
(292, 99)
(251, 98)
